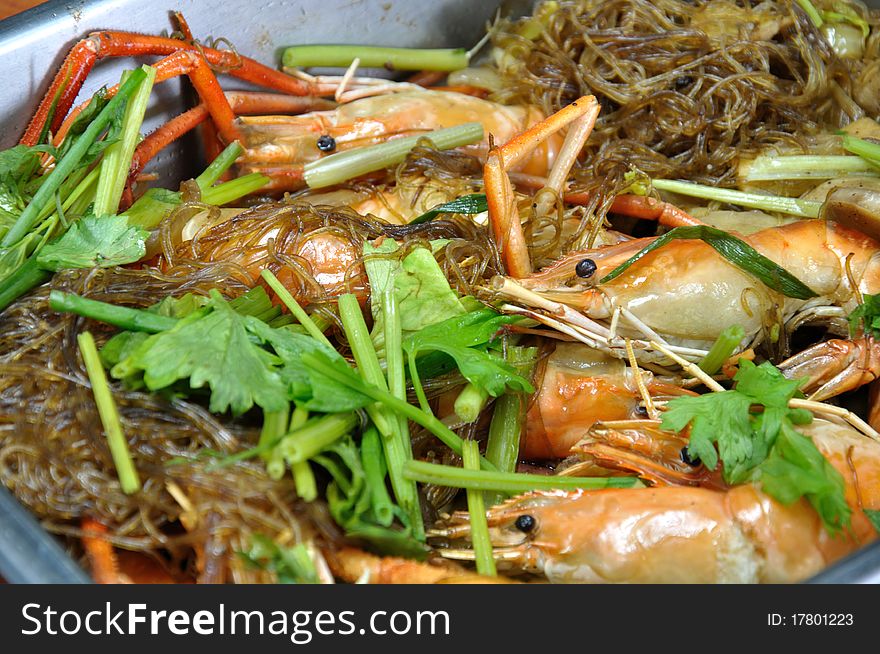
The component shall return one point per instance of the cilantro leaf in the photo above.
(18, 164)
(796, 468)
(214, 349)
(866, 316)
(309, 388)
(753, 428)
(765, 384)
(107, 241)
(291, 565)
(721, 417)
(464, 339)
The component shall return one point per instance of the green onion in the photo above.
(722, 349)
(116, 162)
(26, 277)
(467, 204)
(348, 378)
(477, 509)
(374, 472)
(293, 306)
(736, 251)
(136, 320)
(342, 56)
(764, 168)
(505, 430)
(149, 209)
(507, 482)
(318, 433)
(234, 189)
(417, 385)
(867, 150)
(220, 165)
(845, 14)
(395, 442)
(342, 166)
(780, 204)
(470, 402)
(303, 475)
(399, 446)
(128, 476)
(365, 357)
(274, 427)
(69, 161)
(811, 11)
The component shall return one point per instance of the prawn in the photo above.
(676, 534)
(579, 387)
(686, 293)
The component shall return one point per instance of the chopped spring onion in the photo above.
(303, 476)
(765, 169)
(477, 508)
(505, 430)
(348, 378)
(128, 476)
(405, 491)
(507, 482)
(722, 349)
(26, 277)
(845, 14)
(342, 56)
(117, 158)
(149, 209)
(136, 320)
(274, 428)
(466, 204)
(374, 473)
(317, 433)
(867, 150)
(736, 251)
(396, 442)
(293, 306)
(470, 402)
(220, 165)
(811, 11)
(778, 203)
(233, 189)
(70, 161)
(342, 166)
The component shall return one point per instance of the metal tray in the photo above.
(33, 44)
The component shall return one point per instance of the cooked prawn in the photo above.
(688, 293)
(672, 534)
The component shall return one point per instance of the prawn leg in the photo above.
(503, 215)
(353, 565)
(634, 206)
(108, 568)
(99, 45)
(835, 366)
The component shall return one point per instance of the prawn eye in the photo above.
(585, 268)
(326, 143)
(686, 457)
(525, 523)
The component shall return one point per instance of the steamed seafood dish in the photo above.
(596, 300)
